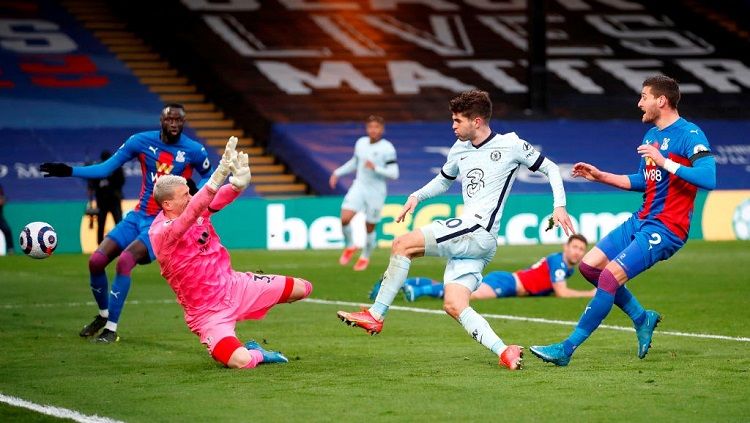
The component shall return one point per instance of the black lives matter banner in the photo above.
(303, 60)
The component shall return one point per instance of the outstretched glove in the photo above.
(240, 172)
(222, 171)
(56, 169)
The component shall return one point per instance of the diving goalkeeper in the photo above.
(197, 267)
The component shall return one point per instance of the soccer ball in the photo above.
(38, 240)
(741, 220)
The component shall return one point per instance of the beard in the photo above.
(171, 139)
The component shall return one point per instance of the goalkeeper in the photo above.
(197, 267)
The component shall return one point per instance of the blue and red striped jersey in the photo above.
(156, 158)
(667, 197)
(538, 278)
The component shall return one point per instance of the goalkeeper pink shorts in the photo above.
(252, 296)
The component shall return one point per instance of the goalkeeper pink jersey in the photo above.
(191, 256)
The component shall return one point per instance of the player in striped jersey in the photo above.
(164, 152)
(676, 160)
(487, 164)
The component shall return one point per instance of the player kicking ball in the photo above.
(375, 161)
(676, 160)
(197, 267)
(487, 164)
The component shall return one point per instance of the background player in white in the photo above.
(487, 163)
(374, 160)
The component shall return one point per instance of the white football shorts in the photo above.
(466, 244)
(360, 199)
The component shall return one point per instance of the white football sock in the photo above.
(369, 245)
(480, 330)
(111, 326)
(104, 313)
(393, 280)
(347, 231)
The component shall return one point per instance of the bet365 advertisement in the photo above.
(314, 223)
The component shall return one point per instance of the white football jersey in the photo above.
(382, 154)
(487, 173)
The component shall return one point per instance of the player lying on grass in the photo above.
(486, 163)
(197, 267)
(676, 160)
(545, 277)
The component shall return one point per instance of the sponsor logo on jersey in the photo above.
(665, 144)
(164, 165)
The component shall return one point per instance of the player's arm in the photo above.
(203, 198)
(390, 169)
(562, 291)
(590, 172)
(535, 161)
(346, 168)
(438, 185)
(96, 171)
(702, 173)
(238, 182)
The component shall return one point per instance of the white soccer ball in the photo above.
(741, 220)
(38, 240)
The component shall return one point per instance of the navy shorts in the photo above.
(638, 244)
(133, 227)
(503, 283)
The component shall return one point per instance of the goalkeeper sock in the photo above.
(480, 330)
(393, 280)
(347, 231)
(369, 245)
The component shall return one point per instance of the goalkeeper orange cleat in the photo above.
(362, 319)
(361, 264)
(512, 357)
(347, 255)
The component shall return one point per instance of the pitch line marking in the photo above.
(538, 320)
(412, 309)
(58, 412)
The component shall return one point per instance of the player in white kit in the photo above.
(374, 160)
(487, 164)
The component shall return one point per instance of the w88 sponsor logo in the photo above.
(652, 174)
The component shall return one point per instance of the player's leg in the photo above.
(229, 351)
(403, 250)
(600, 255)
(456, 304)
(137, 252)
(413, 289)
(346, 229)
(496, 284)
(364, 259)
(104, 254)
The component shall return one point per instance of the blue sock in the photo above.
(437, 290)
(99, 285)
(630, 305)
(117, 296)
(597, 309)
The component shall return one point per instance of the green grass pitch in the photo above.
(423, 367)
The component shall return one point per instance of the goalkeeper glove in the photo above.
(240, 172)
(56, 169)
(222, 171)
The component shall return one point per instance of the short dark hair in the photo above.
(578, 237)
(166, 108)
(473, 103)
(375, 118)
(662, 85)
